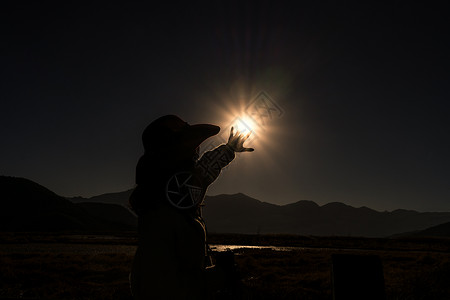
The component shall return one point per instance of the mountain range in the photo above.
(241, 214)
(27, 206)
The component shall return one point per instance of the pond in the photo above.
(67, 248)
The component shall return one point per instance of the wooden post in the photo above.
(357, 277)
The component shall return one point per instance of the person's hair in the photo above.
(152, 175)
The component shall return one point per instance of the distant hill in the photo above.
(242, 214)
(28, 206)
(120, 198)
(441, 230)
(111, 214)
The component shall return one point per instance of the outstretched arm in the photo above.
(236, 141)
(213, 161)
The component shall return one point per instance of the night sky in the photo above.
(362, 91)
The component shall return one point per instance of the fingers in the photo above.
(231, 134)
(237, 139)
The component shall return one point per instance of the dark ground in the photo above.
(413, 268)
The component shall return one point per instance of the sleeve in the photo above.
(208, 167)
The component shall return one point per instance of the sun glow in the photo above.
(253, 112)
(237, 117)
(245, 125)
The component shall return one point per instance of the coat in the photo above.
(171, 261)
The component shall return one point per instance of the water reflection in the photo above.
(221, 248)
(94, 249)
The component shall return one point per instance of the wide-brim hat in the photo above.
(171, 131)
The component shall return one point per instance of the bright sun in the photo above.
(245, 125)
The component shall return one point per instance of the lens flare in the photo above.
(245, 125)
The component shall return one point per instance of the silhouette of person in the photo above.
(171, 261)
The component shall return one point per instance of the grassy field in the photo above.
(413, 268)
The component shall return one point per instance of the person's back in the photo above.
(171, 259)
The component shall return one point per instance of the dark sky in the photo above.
(363, 89)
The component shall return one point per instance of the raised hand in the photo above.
(236, 141)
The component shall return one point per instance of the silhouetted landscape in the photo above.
(55, 248)
(28, 206)
(242, 214)
(236, 213)
(73, 266)
(318, 131)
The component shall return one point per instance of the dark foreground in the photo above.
(63, 266)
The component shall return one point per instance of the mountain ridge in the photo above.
(28, 206)
(226, 213)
